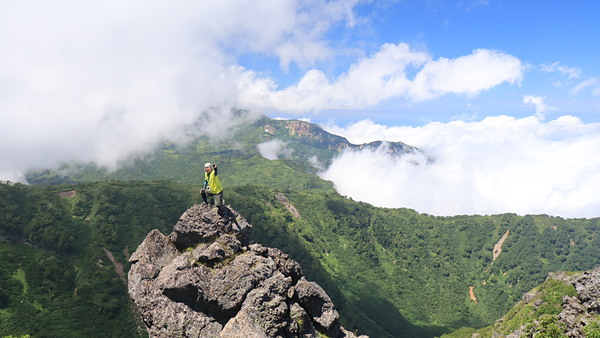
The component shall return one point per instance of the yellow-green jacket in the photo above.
(211, 181)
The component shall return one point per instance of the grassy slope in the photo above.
(184, 164)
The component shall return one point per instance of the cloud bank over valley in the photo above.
(500, 164)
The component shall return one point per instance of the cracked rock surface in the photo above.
(205, 280)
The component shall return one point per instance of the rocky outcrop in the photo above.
(310, 133)
(288, 205)
(206, 280)
(580, 310)
(577, 311)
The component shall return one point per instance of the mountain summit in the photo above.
(206, 280)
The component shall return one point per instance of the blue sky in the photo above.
(504, 95)
(556, 43)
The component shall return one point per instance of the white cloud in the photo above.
(103, 81)
(540, 106)
(470, 74)
(274, 149)
(570, 72)
(383, 76)
(314, 161)
(500, 164)
(589, 83)
(366, 131)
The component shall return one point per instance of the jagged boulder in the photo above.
(585, 307)
(202, 223)
(588, 290)
(205, 280)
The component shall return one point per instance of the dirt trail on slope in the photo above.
(283, 199)
(118, 266)
(498, 247)
(472, 294)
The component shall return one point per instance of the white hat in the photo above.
(207, 165)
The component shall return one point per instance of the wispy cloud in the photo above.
(570, 72)
(589, 83)
(275, 149)
(540, 106)
(383, 76)
(500, 164)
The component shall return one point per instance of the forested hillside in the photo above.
(390, 272)
(56, 274)
(436, 272)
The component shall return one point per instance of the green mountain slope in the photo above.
(425, 266)
(306, 146)
(552, 309)
(390, 272)
(56, 275)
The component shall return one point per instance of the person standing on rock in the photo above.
(212, 186)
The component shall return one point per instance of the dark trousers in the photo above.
(216, 199)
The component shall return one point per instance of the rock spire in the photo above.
(206, 280)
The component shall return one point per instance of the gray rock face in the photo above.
(579, 311)
(588, 290)
(204, 280)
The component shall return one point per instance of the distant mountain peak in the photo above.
(314, 135)
(306, 132)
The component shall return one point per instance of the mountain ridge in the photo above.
(308, 148)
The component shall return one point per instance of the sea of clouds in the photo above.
(500, 164)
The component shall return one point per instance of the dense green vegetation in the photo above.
(390, 272)
(388, 265)
(56, 279)
(540, 320)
